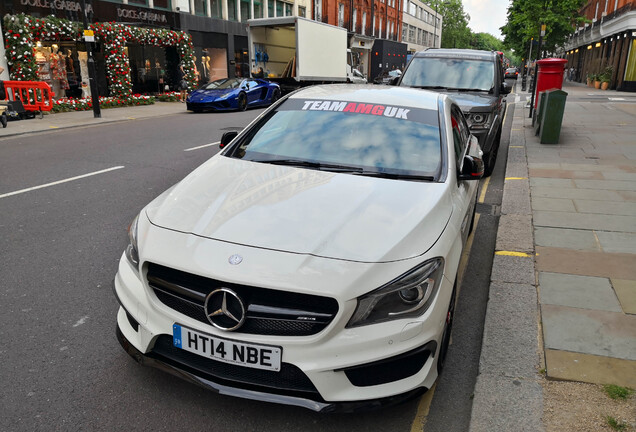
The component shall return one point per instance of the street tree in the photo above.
(526, 16)
(455, 31)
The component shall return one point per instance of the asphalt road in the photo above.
(62, 367)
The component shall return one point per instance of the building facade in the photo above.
(217, 28)
(366, 21)
(218, 32)
(607, 41)
(422, 26)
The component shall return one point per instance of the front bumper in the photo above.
(222, 105)
(345, 368)
(314, 405)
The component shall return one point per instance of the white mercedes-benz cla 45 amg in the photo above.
(312, 261)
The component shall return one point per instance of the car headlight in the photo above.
(408, 295)
(225, 95)
(479, 120)
(132, 253)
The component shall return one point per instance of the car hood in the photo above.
(207, 94)
(325, 214)
(469, 102)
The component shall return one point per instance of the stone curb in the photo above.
(508, 394)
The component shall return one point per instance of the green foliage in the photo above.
(614, 391)
(606, 76)
(455, 31)
(486, 41)
(615, 424)
(526, 16)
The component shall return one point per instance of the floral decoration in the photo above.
(22, 31)
(84, 104)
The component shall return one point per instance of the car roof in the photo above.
(369, 93)
(457, 52)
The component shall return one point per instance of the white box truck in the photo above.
(296, 51)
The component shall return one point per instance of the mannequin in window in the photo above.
(58, 72)
(196, 71)
(83, 61)
(205, 60)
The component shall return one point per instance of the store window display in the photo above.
(56, 65)
(59, 80)
(213, 64)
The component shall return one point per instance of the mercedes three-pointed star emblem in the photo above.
(224, 309)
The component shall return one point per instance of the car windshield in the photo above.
(221, 84)
(356, 138)
(512, 70)
(451, 73)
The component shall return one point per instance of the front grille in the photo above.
(290, 380)
(269, 312)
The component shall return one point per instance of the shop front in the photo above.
(44, 43)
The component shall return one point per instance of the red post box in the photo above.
(549, 76)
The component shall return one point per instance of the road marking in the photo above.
(515, 254)
(203, 146)
(617, 99)
(423, 407)
(54, 127)
(21, 191)
(503, 122)
(482, 195)
(516, 178)
(516, 146)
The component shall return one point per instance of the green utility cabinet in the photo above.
(538, 112)
(552, 109)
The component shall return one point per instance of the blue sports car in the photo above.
(233, 94)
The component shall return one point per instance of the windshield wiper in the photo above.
(310, 164)
(468, 89)
(431, 87)
(396, 176)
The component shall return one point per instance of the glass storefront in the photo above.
(63, 67)
(147, 68)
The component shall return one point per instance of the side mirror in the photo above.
(394, 81)
(227, 138)
(505, 88)
(472, 168)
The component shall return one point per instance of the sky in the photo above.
(486, 16)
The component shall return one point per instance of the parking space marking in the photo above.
(21, 191)
(484, 188)
(202, 146)
(512, 253)
(423, 407)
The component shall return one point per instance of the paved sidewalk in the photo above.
(563, 284)
(85, 118)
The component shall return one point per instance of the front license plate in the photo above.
(228, 351)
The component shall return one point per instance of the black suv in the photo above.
(474, 79)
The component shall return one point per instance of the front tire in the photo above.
(242, 102)
(275, 95)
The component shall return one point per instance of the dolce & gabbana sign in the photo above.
(62, 5)
(98, 11)
(141, 15)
